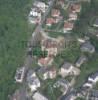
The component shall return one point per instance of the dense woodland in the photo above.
(14, 32)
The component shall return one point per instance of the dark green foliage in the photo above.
(70, 54)
(80, 99)
(39, 53)
(13, 36)
(86, 17)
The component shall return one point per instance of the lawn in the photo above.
(90, 67)
(55, 34)
(70, 54)
(89, 11)
(49, 91)
(14, 33)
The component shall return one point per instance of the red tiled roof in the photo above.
(75, 7)
(50, 21)
(55, 13)
(49, 43)
(72, 15)
(44, 61)
(68, 25)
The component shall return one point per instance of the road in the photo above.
(32, 40)
(28, 57)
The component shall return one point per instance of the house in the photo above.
(72, 16)
(92, 95)
(80, 60)
(38, 96)
(35, 13)
(70, 96)
(20, 73)
(47, 73)
(68, 26)
(32, 80)
(68, 69)
(43, 73)
(41, 5)
(62, 84)
(82, 91)
(87, 47)
(93, 78)
(95, 24)
(50, 46)
(50, 21)
(34, 16)
(84, 39)
(48, 43)
(88, 85)
(47, 61)
(60, 3)
(55, 13)
(34, 20)
(75, 7)
(52, 72)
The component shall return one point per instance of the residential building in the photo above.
(93, 78)
(72, 16)
(35, 13)
(47, 73)
(34, 20)
(48, 43)
(50, 21)
(84, 39)
(75, 7)
(41, 5)
(88, 84)
(47, 61)
(55, 13)
(43, 73)
(95, 24)
(39, 96)
(87, 47)
(68, 26)
(52, 72)
(82, 59)
(82, 91)
(63, 85)
(20, 73)
(68, 69)
(92, 95)
(60, 3)
(50, 46)
(32, 80)
(70, 96)
(34, 16)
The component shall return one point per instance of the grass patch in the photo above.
(14, 33)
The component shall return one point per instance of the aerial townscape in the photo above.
(60, 60)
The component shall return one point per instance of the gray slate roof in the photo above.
(87, 47)
(93, 76)
(66, 65)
